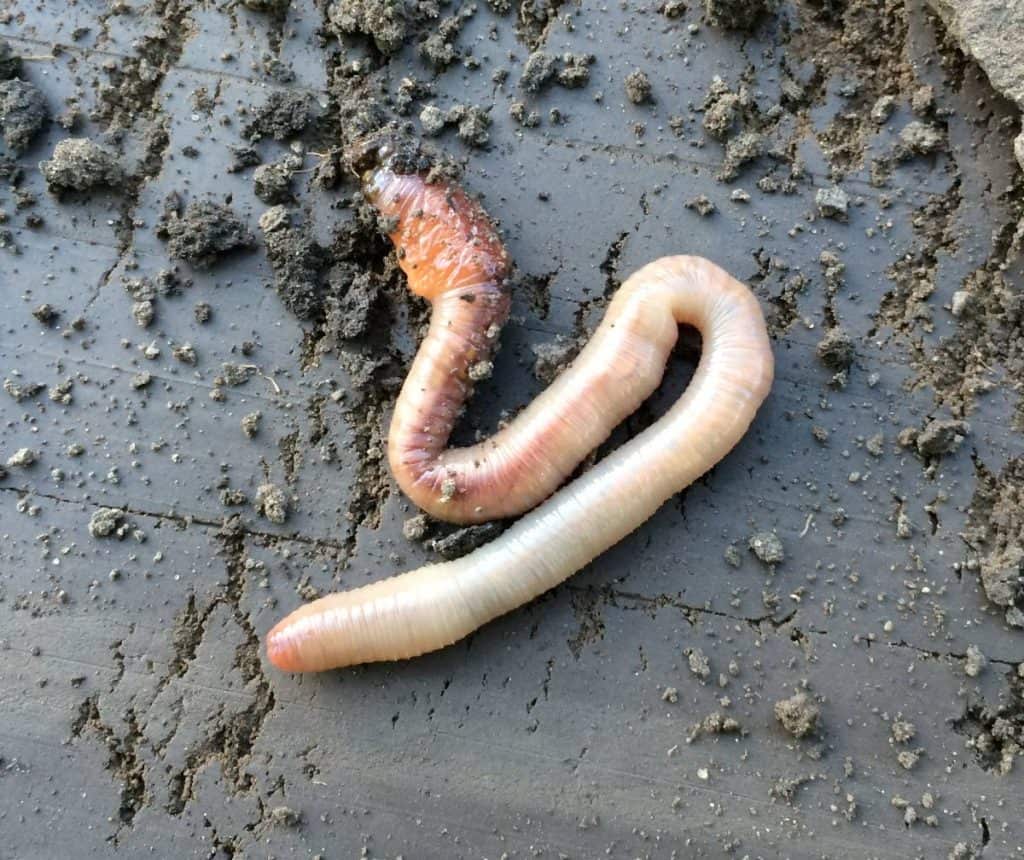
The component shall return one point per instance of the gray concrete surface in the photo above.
(138, 716)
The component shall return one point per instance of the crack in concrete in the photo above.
(183, 521)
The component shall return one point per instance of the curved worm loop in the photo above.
(431, 607)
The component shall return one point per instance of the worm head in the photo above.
(370, 152)
(388, 148)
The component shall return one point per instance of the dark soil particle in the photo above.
(995, 732)
(349, 316)
(721, 106)
(786, 787)
(473, 124)
(767, 547)
(23, 113)
(716, 723)
(464, 541)
(387, 22)
(735, 14)
(10, 62)
(439, 48)
(78, 164)
(297, 261)
(539, 69)
(276, 6)
(243, 155)
(941, 436)
(836, 350)
(995, 535)
(638, 87)
(798, 714)
(203, 233)
(284, 115)
(273, 182)
(740, 151)
(550, 359)
(702, 205)
(45, 313)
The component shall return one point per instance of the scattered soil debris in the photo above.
(798, 714)
(22, 458)
(836, 350)
(941, 436)
(832, 202)
(205, 232)
(78, 164)
(10, 62)
(920, 138)
(908, 759)
(272, 503)
(105, 522)
(22, 391)
(995, 534)
(416, 528)
(721, 107)
(284, 115)
(274, 6)
(465, 540)
(473, 123)
(387, 23)
(45, 313)
(23, 113)
(735, 14)
(185, 353)
(273, 182)
(714, 724)
(974, 662)
(297, 261)
(740, 151)
(786, 787)
(702, 205)
(439, 48)
(251, 423)
(285, 816)
(638, 87)
(903, 731)
(996, 733)
(143, 313)
(243, 156)
(698, 663)
(569, 70)
(767, 547)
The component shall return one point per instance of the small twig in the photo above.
(807, 525)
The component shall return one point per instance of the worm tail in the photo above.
(431, 607)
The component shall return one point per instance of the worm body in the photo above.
(431, 607)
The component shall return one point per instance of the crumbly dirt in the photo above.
(23, 113)
(10, 62)
(799, 715)
(283, 116)
(202, 232)
(79, 164)
(735, 14)
(995, 535)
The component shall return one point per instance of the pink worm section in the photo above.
(433, 606)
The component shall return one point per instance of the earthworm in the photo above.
(452, 251)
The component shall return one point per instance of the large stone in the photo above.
(990, 31)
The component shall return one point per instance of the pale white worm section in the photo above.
(426, 609)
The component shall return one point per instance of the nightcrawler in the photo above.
(453, 257)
